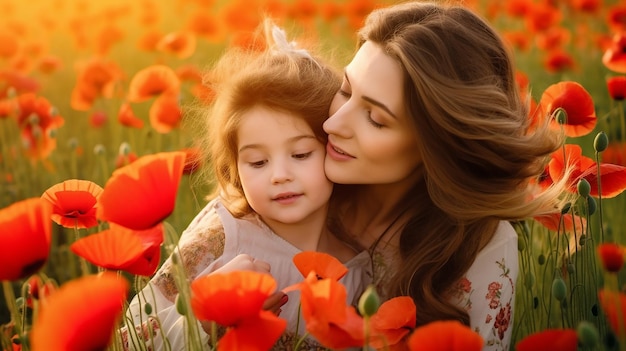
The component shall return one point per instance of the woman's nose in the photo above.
(337, 124)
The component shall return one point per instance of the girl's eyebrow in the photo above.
(372, 100)
(290, 140)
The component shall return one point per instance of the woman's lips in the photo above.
(337, 154)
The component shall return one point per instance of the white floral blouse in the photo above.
(486, 291)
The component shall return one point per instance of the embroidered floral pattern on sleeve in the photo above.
(498, 301)
(204, 244)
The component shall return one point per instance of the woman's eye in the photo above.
(373, 122)
(344, 93)
(302, 156)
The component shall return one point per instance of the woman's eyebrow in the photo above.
(372, 100)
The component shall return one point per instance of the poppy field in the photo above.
(100, 173)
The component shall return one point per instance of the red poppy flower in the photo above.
(615, 153)
(617, 18)
(617, 87)
(96, 78)
(586, 6)
(97, 119)
(550, 340)
(74, 203)
(444, 336)
(518, 8)
(393, 321)
(241, 296)
(321, 264)
(612, 177)
(18, 81)
(10, 45)
(142, 194)
(118, 248)
(125, 159)
(165, 113)
(563, 223)
(38, 290)
(611, 256)
(205, 25)
(153, 81)
(90, 308)
(25, 228)
(333, 323)
(180, 44)
(189, 73)
(577, 103)
(148, 41)
(50, 64)
(558, 60)
(614, 306)
(37, 119)
(614, 57)
(240, 16)
(553, 38)
(541, 17)
(127, 117)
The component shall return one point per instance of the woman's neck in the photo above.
(377, 212)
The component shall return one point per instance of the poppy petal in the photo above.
(445, 335)
(142, 194)
(90, 306)
(258, 333)
(120, 248)
(549, 340)
(612, 179)
(165, 114)
(323, 264)
(25, 228)
(241, 295)
(394, 319)
(614, 306)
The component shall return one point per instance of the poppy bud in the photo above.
(521, 243)
(33, 119)
(587, 334)
(124, 149)
(541, 259)
(566, 208)
(369, 302)
(611, 256)
(99, 149)
(591, 205)
(559, 289)
(600, 142)
(147, 308)
(561, 116)
(583, 187)
(181, 308)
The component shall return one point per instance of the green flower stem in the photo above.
(84, 269)
(600, 197)
(9, 297)
(622, 120)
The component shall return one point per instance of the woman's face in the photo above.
(371, 138)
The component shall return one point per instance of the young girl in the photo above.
(267, 147)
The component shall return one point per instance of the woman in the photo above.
(431, 141)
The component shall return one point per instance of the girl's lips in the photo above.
(337, 154)
(287, 198)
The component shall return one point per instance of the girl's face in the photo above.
(281, 167)
(371, 139)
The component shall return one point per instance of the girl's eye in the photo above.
(257, 164)
(302, 156)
